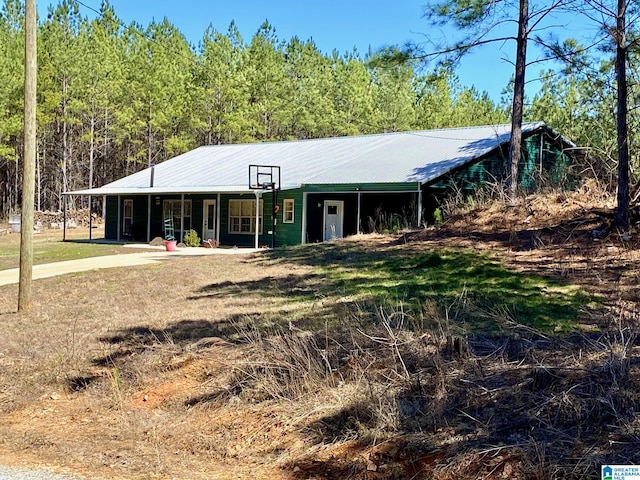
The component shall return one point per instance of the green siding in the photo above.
(290, 233)
(363, 187)
(536, 166)
(139, 220)
(111, 219)
(140, 211)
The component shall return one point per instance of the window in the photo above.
(242, 216)
(173, 209)
(287, 211)
(127, 217)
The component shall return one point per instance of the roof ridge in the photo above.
(369, 135)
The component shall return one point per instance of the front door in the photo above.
(209, 220)
(333, 219)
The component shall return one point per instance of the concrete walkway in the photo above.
(154, 255)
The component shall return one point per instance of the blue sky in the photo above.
(333, 25)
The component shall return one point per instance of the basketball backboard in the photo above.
(264, 177)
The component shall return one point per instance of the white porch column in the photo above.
(218, 219)
(257, 239)
(419, 214)
(358, 219)
(181, 218)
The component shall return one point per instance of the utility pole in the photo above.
(29, 162)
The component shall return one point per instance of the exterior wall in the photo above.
(138, 231)
(362, 187)
(382, 207)
(241, 239)
(285, 233)
(290, 233)
(315, 214)
(195, 222)
(542, 161)
(111, 219)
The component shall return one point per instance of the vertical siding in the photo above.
(140, 210)
(495, 166)
(289, 233)
(111, 219)
(139, 221)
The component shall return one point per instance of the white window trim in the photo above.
(252, 217)
(288, 202)
(127, 204)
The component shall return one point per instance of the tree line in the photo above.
(115, 98)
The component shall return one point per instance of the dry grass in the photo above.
(249, 367)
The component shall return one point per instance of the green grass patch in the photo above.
(471, 290)
(55, 251)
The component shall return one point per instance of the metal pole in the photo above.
(419, 212)
(90, 218)
(64, 218)
(274, 201)
(218, 218)
(181, 218)
(257, 238)
(358, 230)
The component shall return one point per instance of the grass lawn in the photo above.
(48, 247)
(320, 361)
(472, 290)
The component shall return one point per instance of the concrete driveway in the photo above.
(154, 255)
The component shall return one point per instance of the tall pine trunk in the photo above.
(515, 142)
(622, 209)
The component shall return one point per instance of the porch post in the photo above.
(419, 213)
(119, 227)
(218, 219)
(541, 152)
(149, 218)
(257, 239)
(303, 239)
(181, 217)
(358, 219)
(90, 218)
(64, 218)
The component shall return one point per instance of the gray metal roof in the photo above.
(417, 156)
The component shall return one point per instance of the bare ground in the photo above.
(219, 367)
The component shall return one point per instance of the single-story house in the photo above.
(286, 193)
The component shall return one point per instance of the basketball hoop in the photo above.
(267, 177)
(264, 177)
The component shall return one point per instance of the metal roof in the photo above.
(400, 157)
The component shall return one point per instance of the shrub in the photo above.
(191, 239)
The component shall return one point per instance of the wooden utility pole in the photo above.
(29, 162)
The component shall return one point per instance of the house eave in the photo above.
(123, 191)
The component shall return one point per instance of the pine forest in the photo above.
(115, 98)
